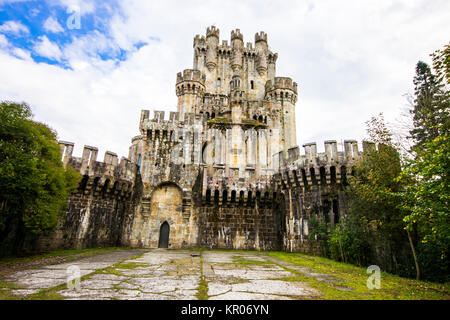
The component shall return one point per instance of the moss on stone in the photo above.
(202, 290)
(130, 265)
(355, 280)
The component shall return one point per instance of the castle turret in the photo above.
(199, 51)
(237, 43)
(212, 41)
(272, 65)
(190, 88)
(261, 49)
(282, 94)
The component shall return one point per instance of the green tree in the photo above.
(424, 108)
(426, 176)
(431, 103)
(34, 183)
(375, 218)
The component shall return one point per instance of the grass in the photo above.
(241, 261)
(11, 261)
(392, 287)
(131, 265)
(202, 290)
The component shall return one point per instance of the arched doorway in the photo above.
(164, 235)
(166, 207)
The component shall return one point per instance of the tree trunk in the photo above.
(340, 247)
(414, 255)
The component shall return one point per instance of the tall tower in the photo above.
(212, 41)
(261, 52)
(282, 96)
(235, 90)
(190, 88)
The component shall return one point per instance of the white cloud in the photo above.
(45, 48)
(3, 41)
(52, 25)
(22, 54)
(81, 6)
(351, 60)
(14, 27)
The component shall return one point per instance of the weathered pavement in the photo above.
(161, 274)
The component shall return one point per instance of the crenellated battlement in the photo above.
(174, 119)
(281, 83)
(236, 35)
(109, 175)
(199, 41)
(232, 197)
(191, 75)
(319, 168)
(272, 57)
(212, 32)
(260, 36)
(224, 188)
(236, 43)
(331, 156)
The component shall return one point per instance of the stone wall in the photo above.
(95, 217)
(165, 205)
(239, 227)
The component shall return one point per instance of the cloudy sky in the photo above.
(88, 67)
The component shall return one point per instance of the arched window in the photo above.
(208, 196)
(333, 174)
(323, 176)
(252, 85)
(139, 163)
(216, 196)
(313, 176)
(233, 196)
(218, 82)
(249, 199)
(224, 196)
(105, 187)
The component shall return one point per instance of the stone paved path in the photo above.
(161, 274)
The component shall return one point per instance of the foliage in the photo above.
(350, 242)
(390, 199)
(319, 230)
(374, 232)
(431, 103)
(33, 181)
(426, 176)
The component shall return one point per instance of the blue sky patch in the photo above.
(33, 15)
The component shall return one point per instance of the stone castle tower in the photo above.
(224, 171)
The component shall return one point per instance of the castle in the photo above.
(224, 171)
